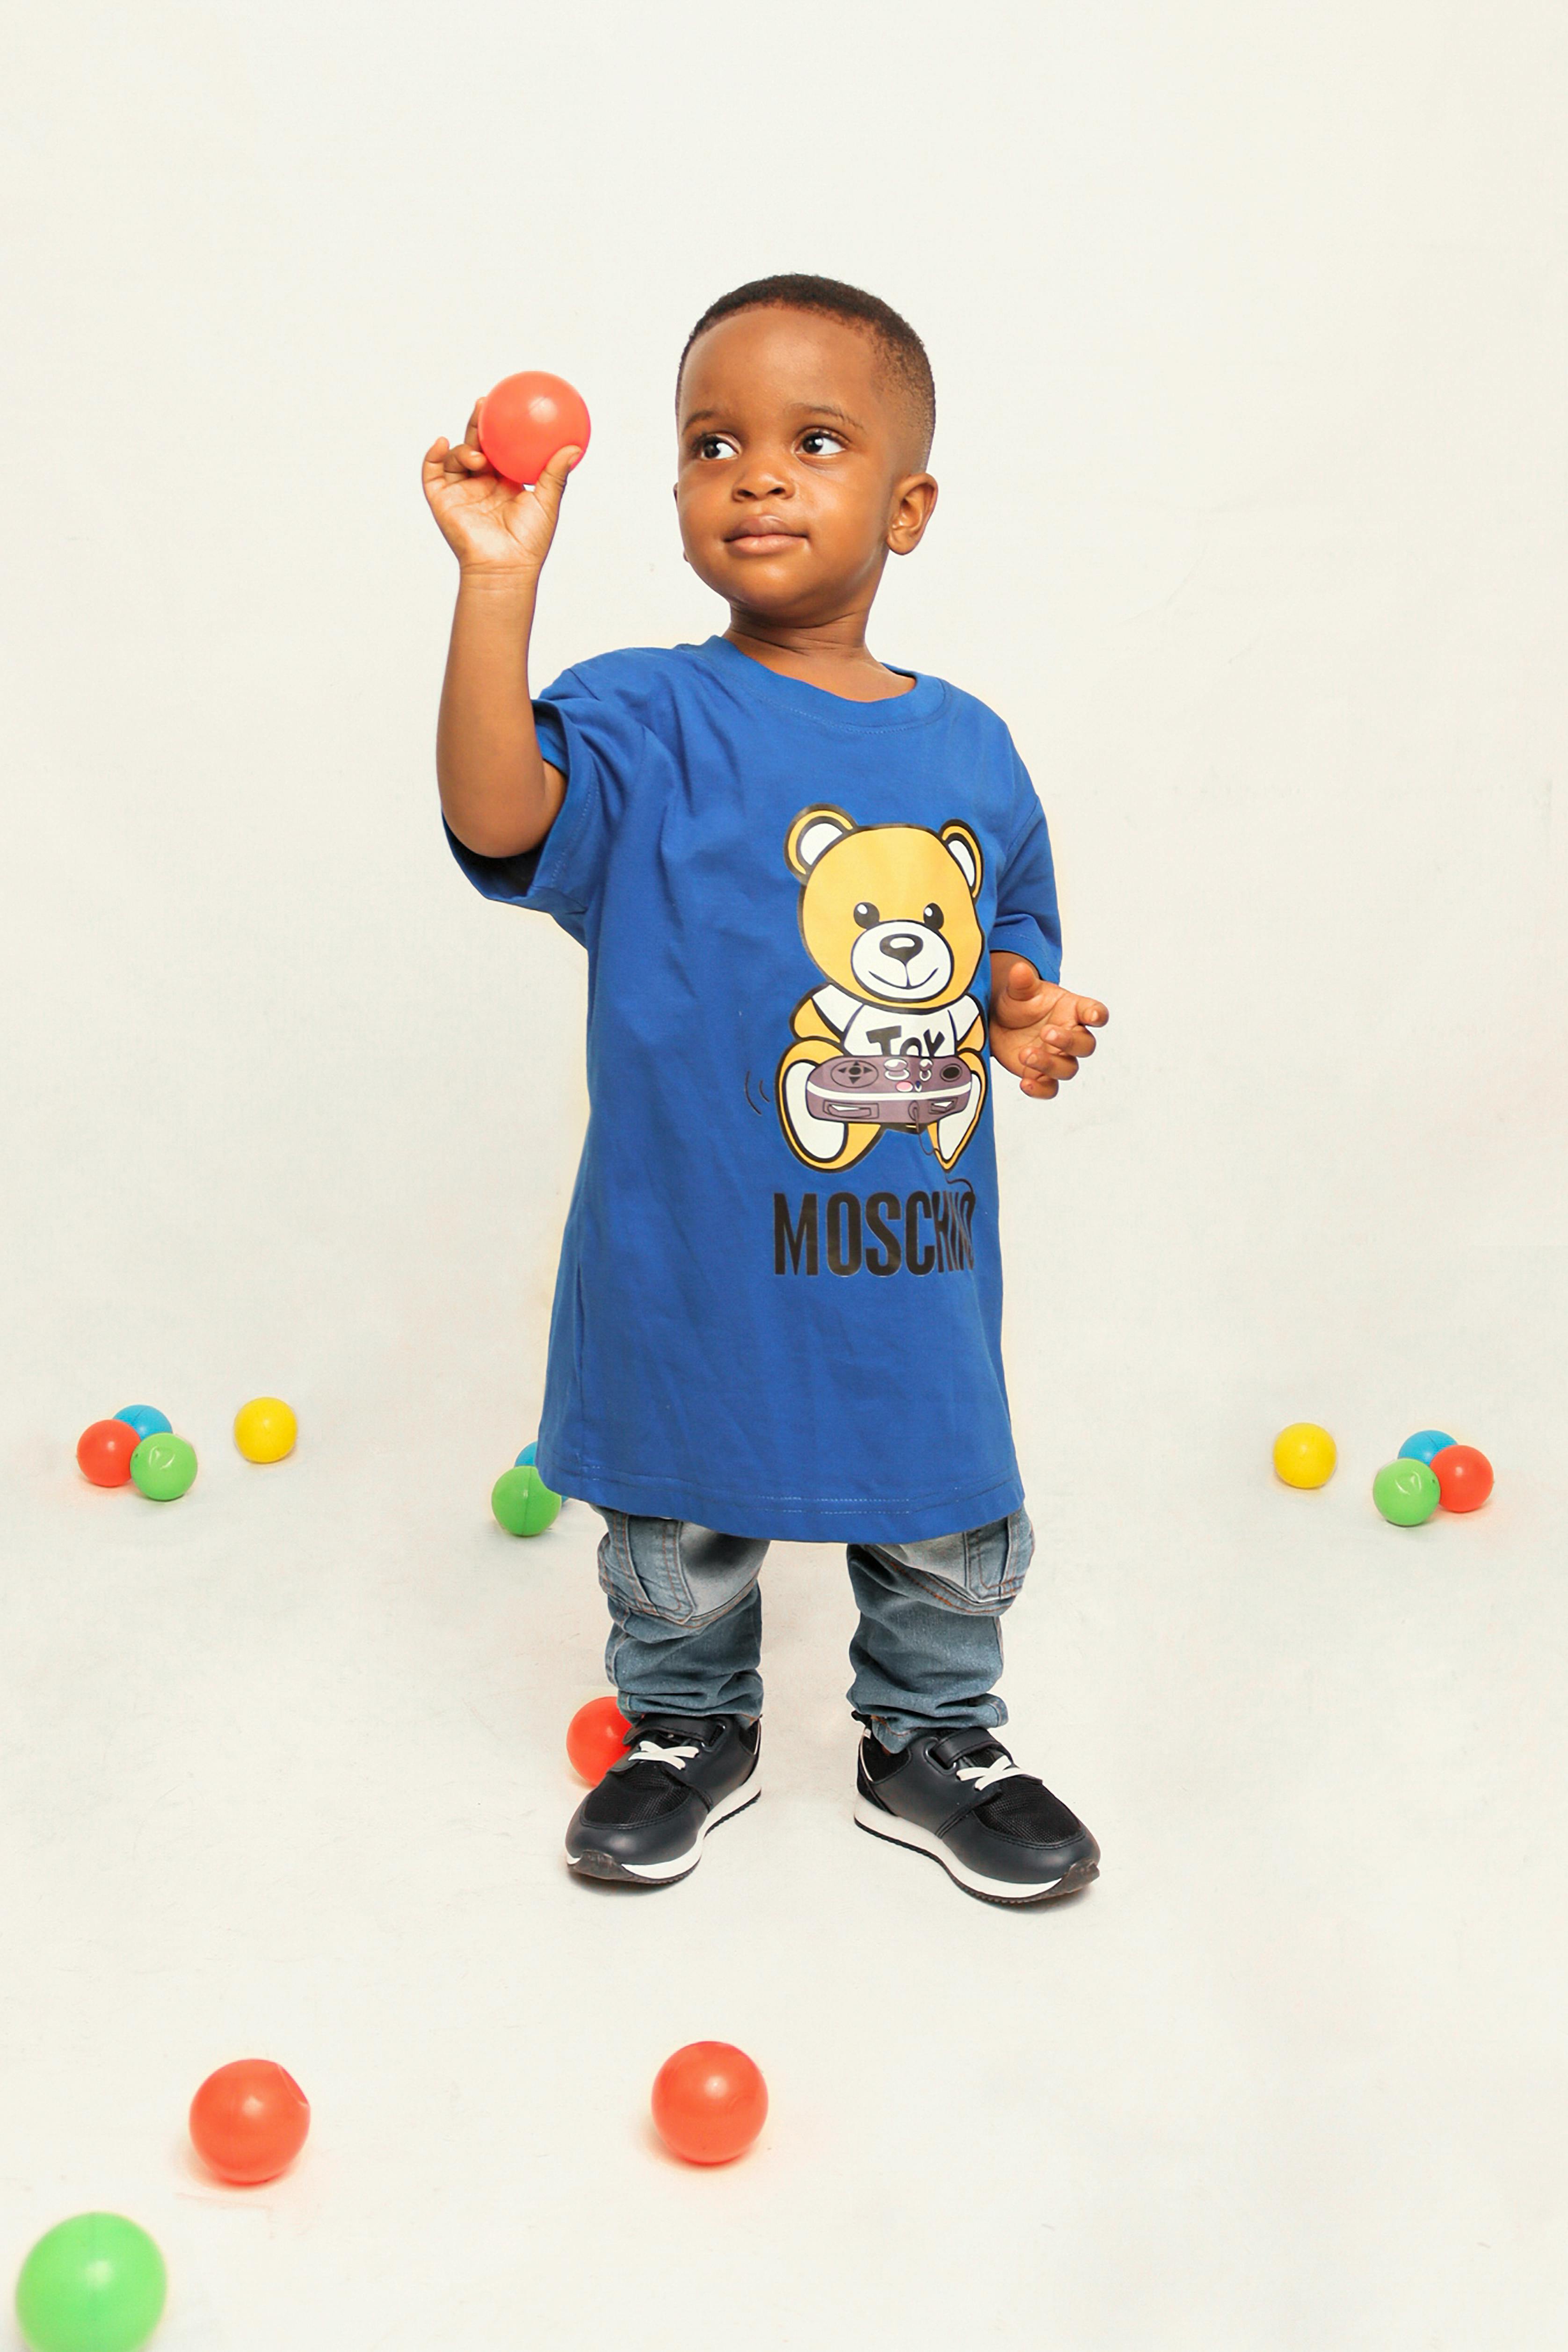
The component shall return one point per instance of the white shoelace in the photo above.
(650, 1752)
(986, 1775)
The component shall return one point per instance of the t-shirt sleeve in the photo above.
(1027, 920)
(598, 744)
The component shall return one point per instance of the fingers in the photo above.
(1024, 998)
(453, 460)
(1071, 1019)
(1042, 1031)
(1048, 1062)
(1030, 1058)
(1055, 1052)
(1074, 1040)
(1060, 1034)
(551, 486)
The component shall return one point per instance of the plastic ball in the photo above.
(1464, 1477)
(146, 1420)
(526, 419)
(522, 1503)
(95, 2284)
(1304, 1455)
(1406, 1492)
(709, 2101)
(249, 2120)
(1424, 1444)
(595, 1737)
(163, 1468)
(104, 1451)
(265, 1429)
(528, 1455)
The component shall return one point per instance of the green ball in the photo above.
(95, 2284)
(1406, 1492)
(163, 1468)
(520, 1499)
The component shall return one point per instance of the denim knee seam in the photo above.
(621, 1577)
(622, 1582)
(977, 1572)
(626, 1592)
(989, 1601)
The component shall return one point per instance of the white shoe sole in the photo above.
(679, 1865)
(894, 1831)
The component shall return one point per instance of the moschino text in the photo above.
(915, 1232)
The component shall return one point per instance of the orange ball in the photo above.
(595, 1736)
(1464, 1477)
(249, 2120)
(709, 2101)
(103, 1452)
(526, 419)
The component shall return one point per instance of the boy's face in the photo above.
(800, 466)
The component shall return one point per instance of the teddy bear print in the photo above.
(887, 913)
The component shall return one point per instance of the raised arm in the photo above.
(498, 794)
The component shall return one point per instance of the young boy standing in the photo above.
(818, 900)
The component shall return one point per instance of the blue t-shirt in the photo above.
(778, 1309)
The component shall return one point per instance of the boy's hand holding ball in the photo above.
(492, 525)
(1040, 1031)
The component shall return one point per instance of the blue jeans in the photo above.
(687, 1622)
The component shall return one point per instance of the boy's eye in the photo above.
(819, 441)
(713, 444)
(866, 914)
(932, 916)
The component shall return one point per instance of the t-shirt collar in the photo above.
(793, 694)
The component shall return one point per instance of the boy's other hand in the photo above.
(1040, 1031)
(491, 526)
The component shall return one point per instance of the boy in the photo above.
(800, 876)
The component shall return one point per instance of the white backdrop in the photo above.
(1249, 333)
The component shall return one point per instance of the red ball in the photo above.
(709, 2101)
(103, 1452)
(526, 419)
(249, 2120)
(1464, 1477)
(594, 1739)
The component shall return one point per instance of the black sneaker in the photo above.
(958, 1796)
(681, 1775)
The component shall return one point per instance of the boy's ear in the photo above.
(813, 830)
(965, 852)
(912, 512)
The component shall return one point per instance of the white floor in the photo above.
(283, 1775)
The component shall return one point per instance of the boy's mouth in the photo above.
(761, 535)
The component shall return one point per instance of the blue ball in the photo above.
(530, 1451)
(1424, 1444)
(146, 1420)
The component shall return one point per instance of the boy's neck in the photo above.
(832, 655)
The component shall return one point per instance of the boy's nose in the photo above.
(761, 481)
(904, 945)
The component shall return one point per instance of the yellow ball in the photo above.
(265, 1430)
(1304, 1455)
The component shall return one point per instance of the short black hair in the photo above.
(900, 347)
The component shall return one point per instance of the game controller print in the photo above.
(893, 1039)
